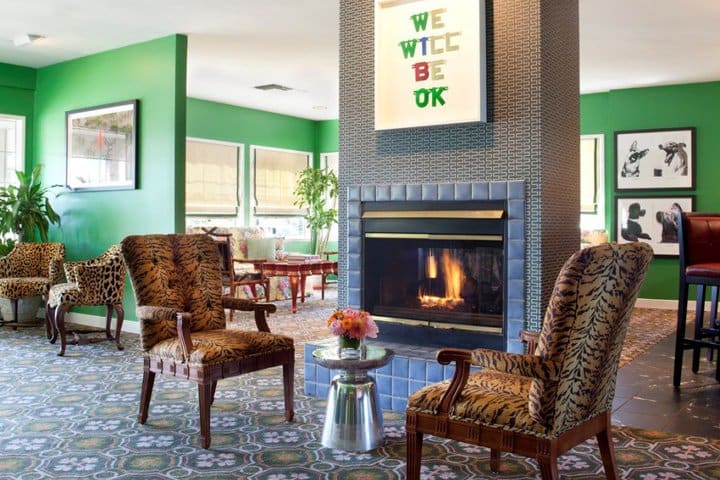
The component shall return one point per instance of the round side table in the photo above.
(353, 419)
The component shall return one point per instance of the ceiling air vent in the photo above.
(273, 86)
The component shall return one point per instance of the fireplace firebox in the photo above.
(434, 272)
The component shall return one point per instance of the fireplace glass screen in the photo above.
(438, 280)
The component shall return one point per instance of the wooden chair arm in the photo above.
(462, 359)
(262, 310)
(530, 339)
(183, 329)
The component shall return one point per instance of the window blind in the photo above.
(276, 175)
(211, 178)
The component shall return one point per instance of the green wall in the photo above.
(153, 72)
(17, 97)
(691, 105)
(229, 123)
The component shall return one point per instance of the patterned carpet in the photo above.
(75, 417)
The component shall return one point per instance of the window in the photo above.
(274, 178)
(332, 161)
(211, 177)
(592, 181)
(12, 147)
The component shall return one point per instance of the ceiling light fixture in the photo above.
(25, 38)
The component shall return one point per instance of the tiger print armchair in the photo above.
(100, 281)
(29, 270)
(177, 284)
(542, 404)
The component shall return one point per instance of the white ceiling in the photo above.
(235, 45)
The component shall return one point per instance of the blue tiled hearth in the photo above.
(411, 369)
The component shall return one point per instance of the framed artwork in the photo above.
(102, 147)
(653, 220)
(661, 159)
(429, 63)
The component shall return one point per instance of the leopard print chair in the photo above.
(542, 404)
(29, 270)
(100, 281)
(177, 284)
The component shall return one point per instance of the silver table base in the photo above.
(353, 420)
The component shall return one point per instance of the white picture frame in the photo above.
(429, 63)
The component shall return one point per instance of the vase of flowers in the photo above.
(351, 327)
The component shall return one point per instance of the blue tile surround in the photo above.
(414, 367)
(513, 192)
(411, 369)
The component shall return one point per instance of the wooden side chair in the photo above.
(543, 403)
(29, 270)
(699, 238)
(177, 284)
(101, 282)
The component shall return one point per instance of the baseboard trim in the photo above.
(666, 304)
(99, 322)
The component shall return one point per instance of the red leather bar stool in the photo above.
(699, 237)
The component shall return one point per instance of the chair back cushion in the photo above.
(34, 260)
(102, 279)
(583, 332)
(178, 272)
(699, 238)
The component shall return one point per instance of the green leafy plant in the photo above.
(25, 208)
(317, 191)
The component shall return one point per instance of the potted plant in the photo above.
(317, 191)
(25, 212)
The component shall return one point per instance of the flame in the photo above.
(453, 278)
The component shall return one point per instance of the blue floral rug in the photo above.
(75, 417)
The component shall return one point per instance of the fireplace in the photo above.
(433, 272)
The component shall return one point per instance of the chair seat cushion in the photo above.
(489, 398)
(64, 294)
(212, 347)
(707, 270)
(18, 287)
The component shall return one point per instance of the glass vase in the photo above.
(349, 347)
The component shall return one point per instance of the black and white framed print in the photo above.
(653, 220)
(661, 159)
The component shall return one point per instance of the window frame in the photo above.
(20, 139)
(596, 221)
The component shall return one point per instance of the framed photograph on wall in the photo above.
(662, 159)
(653, 220)
(102, 147)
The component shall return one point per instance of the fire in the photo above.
(453, 279)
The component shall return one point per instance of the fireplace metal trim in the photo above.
(444, 326)
(470, 214)
(434, 236)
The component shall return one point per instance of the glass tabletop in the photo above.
(370, 357)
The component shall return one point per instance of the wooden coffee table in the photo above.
(297, 272)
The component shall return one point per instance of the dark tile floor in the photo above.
(645, 397)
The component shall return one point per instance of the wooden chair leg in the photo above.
(680, 333)
(212, 392)
(50, 324)
(205, 393)
(548, 467)
(699, 320)
(14, 305)
(108, 321)
(607, 451)
(288, 389)
(414, 454)
(494, 460)
(232, 294)
(60, 326)
(146, 392)
(120, 314)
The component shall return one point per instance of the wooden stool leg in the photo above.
(713, 321)
(680, 333)
(699, 314)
